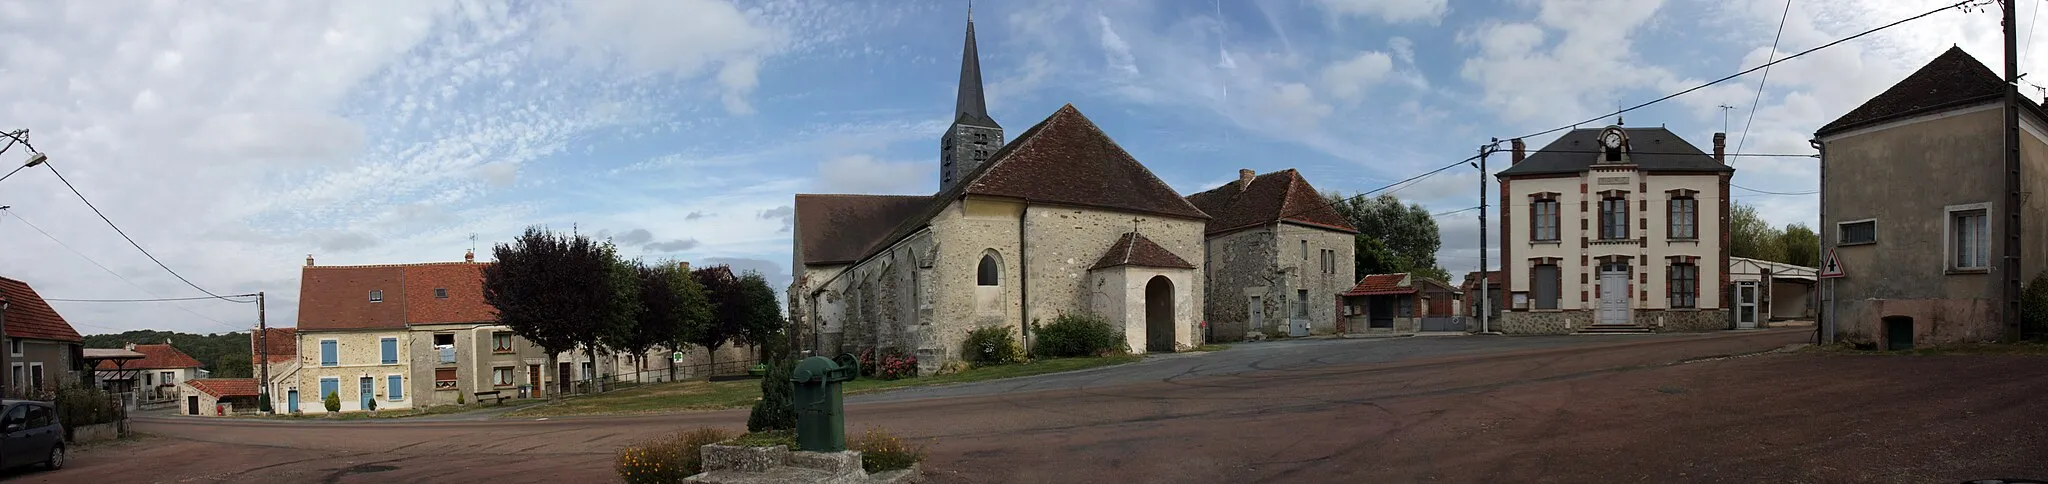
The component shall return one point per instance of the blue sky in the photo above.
(232, 140)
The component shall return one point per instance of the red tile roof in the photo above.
(30, 317)
(284, 345)
(225, 387)
(1134, 249)
(154, 357)
(1265, 199)
(1380, 284)
(338, 297)
(1472, 280)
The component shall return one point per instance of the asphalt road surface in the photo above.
(1633, 408)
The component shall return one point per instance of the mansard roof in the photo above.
(1133, 249)
(1653, 149)
(1273, 197)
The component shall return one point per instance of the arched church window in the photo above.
(990, 273)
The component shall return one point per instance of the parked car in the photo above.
(30, 434)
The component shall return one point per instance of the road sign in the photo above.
(1830, 266)
(676, 357)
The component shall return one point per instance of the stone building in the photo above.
(1278, 254)
(43, 352)
(1919, 252)
(1401, 303)
(1059, 221)
(1615, 229)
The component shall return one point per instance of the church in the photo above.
(1059, 220)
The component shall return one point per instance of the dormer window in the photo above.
(1612, 141)
(440, 293)
(376, 295)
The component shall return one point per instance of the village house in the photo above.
(1920, 254)
(1401, 304)
(1615, 229)
(1277, 255)
(154, 377)
(218, 397)
(1768, 291)
(1059, 221)
(42, 351)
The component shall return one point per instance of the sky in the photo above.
(233, 139)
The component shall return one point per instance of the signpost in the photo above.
(1830, 267)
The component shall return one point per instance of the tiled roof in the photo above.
(1952, 80)
(30, 317)
(1265, 199)
(842, 228)
(284, 345)
(1136, 250)
(154, 357)
(1064, 160)
(1650, 149)
(464, 284)
(1381, 284)
(225, 387)
(1472, 279)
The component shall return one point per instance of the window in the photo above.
(1969, 239)
(444, 339)
(440, 293)
(444, 344)
(1301, 304)
(19, 414)
(588, 373)
(168, 377)
(990, 273)
(1613, 218)
(35, 375)
(148, 380)
(376, 295)
(1406, 308)
(1685, 286)
(444, 378)
(1858, 232)
(394, 386)
(14, 346)
(501, 342)
(1543, 221)
(330, 386)
(1547, 282)
(388, 347)
(1684, 218)
(502, 376)
(1304, 249)
(328, 354)
(38, 416)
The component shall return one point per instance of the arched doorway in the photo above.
(1159, 314)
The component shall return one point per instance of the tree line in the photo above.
(1392, 236)
(569, 291)
(1751, 237)
(225, 355)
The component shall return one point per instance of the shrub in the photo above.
(2034, 308)
(868, 364)
(897, 366)
(994, 345)
(459, 399)
(1077, 334)
(373, 405)
(79, 406)
(332, 402)
(776, 410)
(669, 458)
(882, 452)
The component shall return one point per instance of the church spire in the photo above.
(971, 108)
(974, 136)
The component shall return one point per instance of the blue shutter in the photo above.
(397, 389)
(329, 386)
(327, 354)
(390, 351)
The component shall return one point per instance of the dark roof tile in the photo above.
(1136, 250)
(1650, 149)
(1265, 199)
(1953, 79)
(837, 229)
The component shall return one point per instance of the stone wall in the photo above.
(1257, 262)
(1679, 321)
(1543, 322)
(1240, 265)
(358, 354)
(1935, 321)
(1306, 272)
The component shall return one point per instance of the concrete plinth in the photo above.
(730, 464)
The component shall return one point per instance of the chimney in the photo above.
(309, 260)
(1244, 177)
(1521, 151)
(1721, 148)
(469, 256)
(685, 265)
(131, 346)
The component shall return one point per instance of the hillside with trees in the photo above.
(224, 354)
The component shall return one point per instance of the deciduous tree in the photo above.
(1751, 237)
(1800, 246)
(728, 307)
(1392, 237)
(555, 290)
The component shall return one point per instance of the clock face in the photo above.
(1612, 139)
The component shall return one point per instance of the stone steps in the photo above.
(1613, 329)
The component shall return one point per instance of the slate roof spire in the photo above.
(971, 107)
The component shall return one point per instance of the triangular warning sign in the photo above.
(1830, 266)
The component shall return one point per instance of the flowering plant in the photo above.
(897, 366)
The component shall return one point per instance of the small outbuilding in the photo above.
(218, 397)
(1401, 303)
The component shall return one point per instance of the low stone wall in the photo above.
(1683, 321)
(1542, 322)
(98, 432)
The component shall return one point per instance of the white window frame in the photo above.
(511, 374)
(1948, 236)
(1845, 223)
(15, 346)
(35, 380)
(376, 295)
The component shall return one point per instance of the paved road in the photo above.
(1457, 409)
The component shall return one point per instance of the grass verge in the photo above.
(702, 395)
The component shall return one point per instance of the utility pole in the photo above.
(1485, 303)
(2011, 207)
(263, 348)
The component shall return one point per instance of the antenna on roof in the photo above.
(472, 241)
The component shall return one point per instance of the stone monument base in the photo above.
(732, 464)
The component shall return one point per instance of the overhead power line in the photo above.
(103, 267)
(131, 240)
(1757, 68)
(1368, 193)
(161, 299)
(1758, 100)
(1454, 212)
(1774, 193)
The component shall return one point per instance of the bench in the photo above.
(493, 393)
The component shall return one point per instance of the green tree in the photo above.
(555, 290)
(1800, 245)
(1392, 237)
(672, 306)
(618, 321)
(232, 366)
(761, 322)
(776, 410)
(728, 307)
(1750, 236)
(209, 349)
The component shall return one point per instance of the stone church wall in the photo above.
(1067, 241)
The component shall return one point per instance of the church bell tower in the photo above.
(974, 136)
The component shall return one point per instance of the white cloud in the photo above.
(684, 38)
(1115, 50)
(1349, 79)
(1391, 11)
(1404, 49)
(865, 174)
(1580, 74)
(1295, 103)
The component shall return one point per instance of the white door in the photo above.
(1614, 295)
(1258, 314)
(1745, 305)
